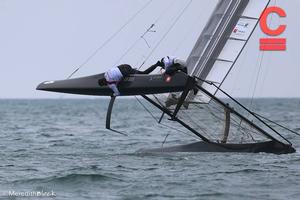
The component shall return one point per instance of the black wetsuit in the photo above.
(175, 68)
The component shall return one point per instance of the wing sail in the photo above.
(222, 41)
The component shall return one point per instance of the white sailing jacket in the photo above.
(113, 77)
(170, 60)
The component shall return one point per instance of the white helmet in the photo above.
(170, 60)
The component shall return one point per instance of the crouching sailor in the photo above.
(115, 75)
(171, 65)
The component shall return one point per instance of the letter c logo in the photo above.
(263, 21)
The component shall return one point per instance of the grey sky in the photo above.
(46, 39)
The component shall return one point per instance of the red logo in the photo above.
(272, 44)
(168, 79)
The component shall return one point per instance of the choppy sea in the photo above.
(61, 148)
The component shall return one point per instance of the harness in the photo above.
(112, 82)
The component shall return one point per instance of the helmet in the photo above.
(167, 61)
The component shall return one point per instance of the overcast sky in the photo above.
(47, 39)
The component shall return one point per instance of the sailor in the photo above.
(172, 64)
(116, 74)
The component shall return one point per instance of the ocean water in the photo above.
(62, 146)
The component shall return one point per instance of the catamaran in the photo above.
(235, 127)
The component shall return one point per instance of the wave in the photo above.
(297, 129)
(70, 179)
(51, 130)
(82, 177)
(242, 171)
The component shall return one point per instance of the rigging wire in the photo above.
(268, 61)
(187, 34)
(146, 108)
(166, 34)
(212, 109)
(135, 43)
(276, 123)
(248, 111)
(155, 117)
(260, 66)
(243, 130)
(168, 31)
(143, 37)
(257, 78)
(149, 55)
(157, 121)
(235, 122)
(110, 38)
(196, 124)
(149, 30)
(251, 112)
